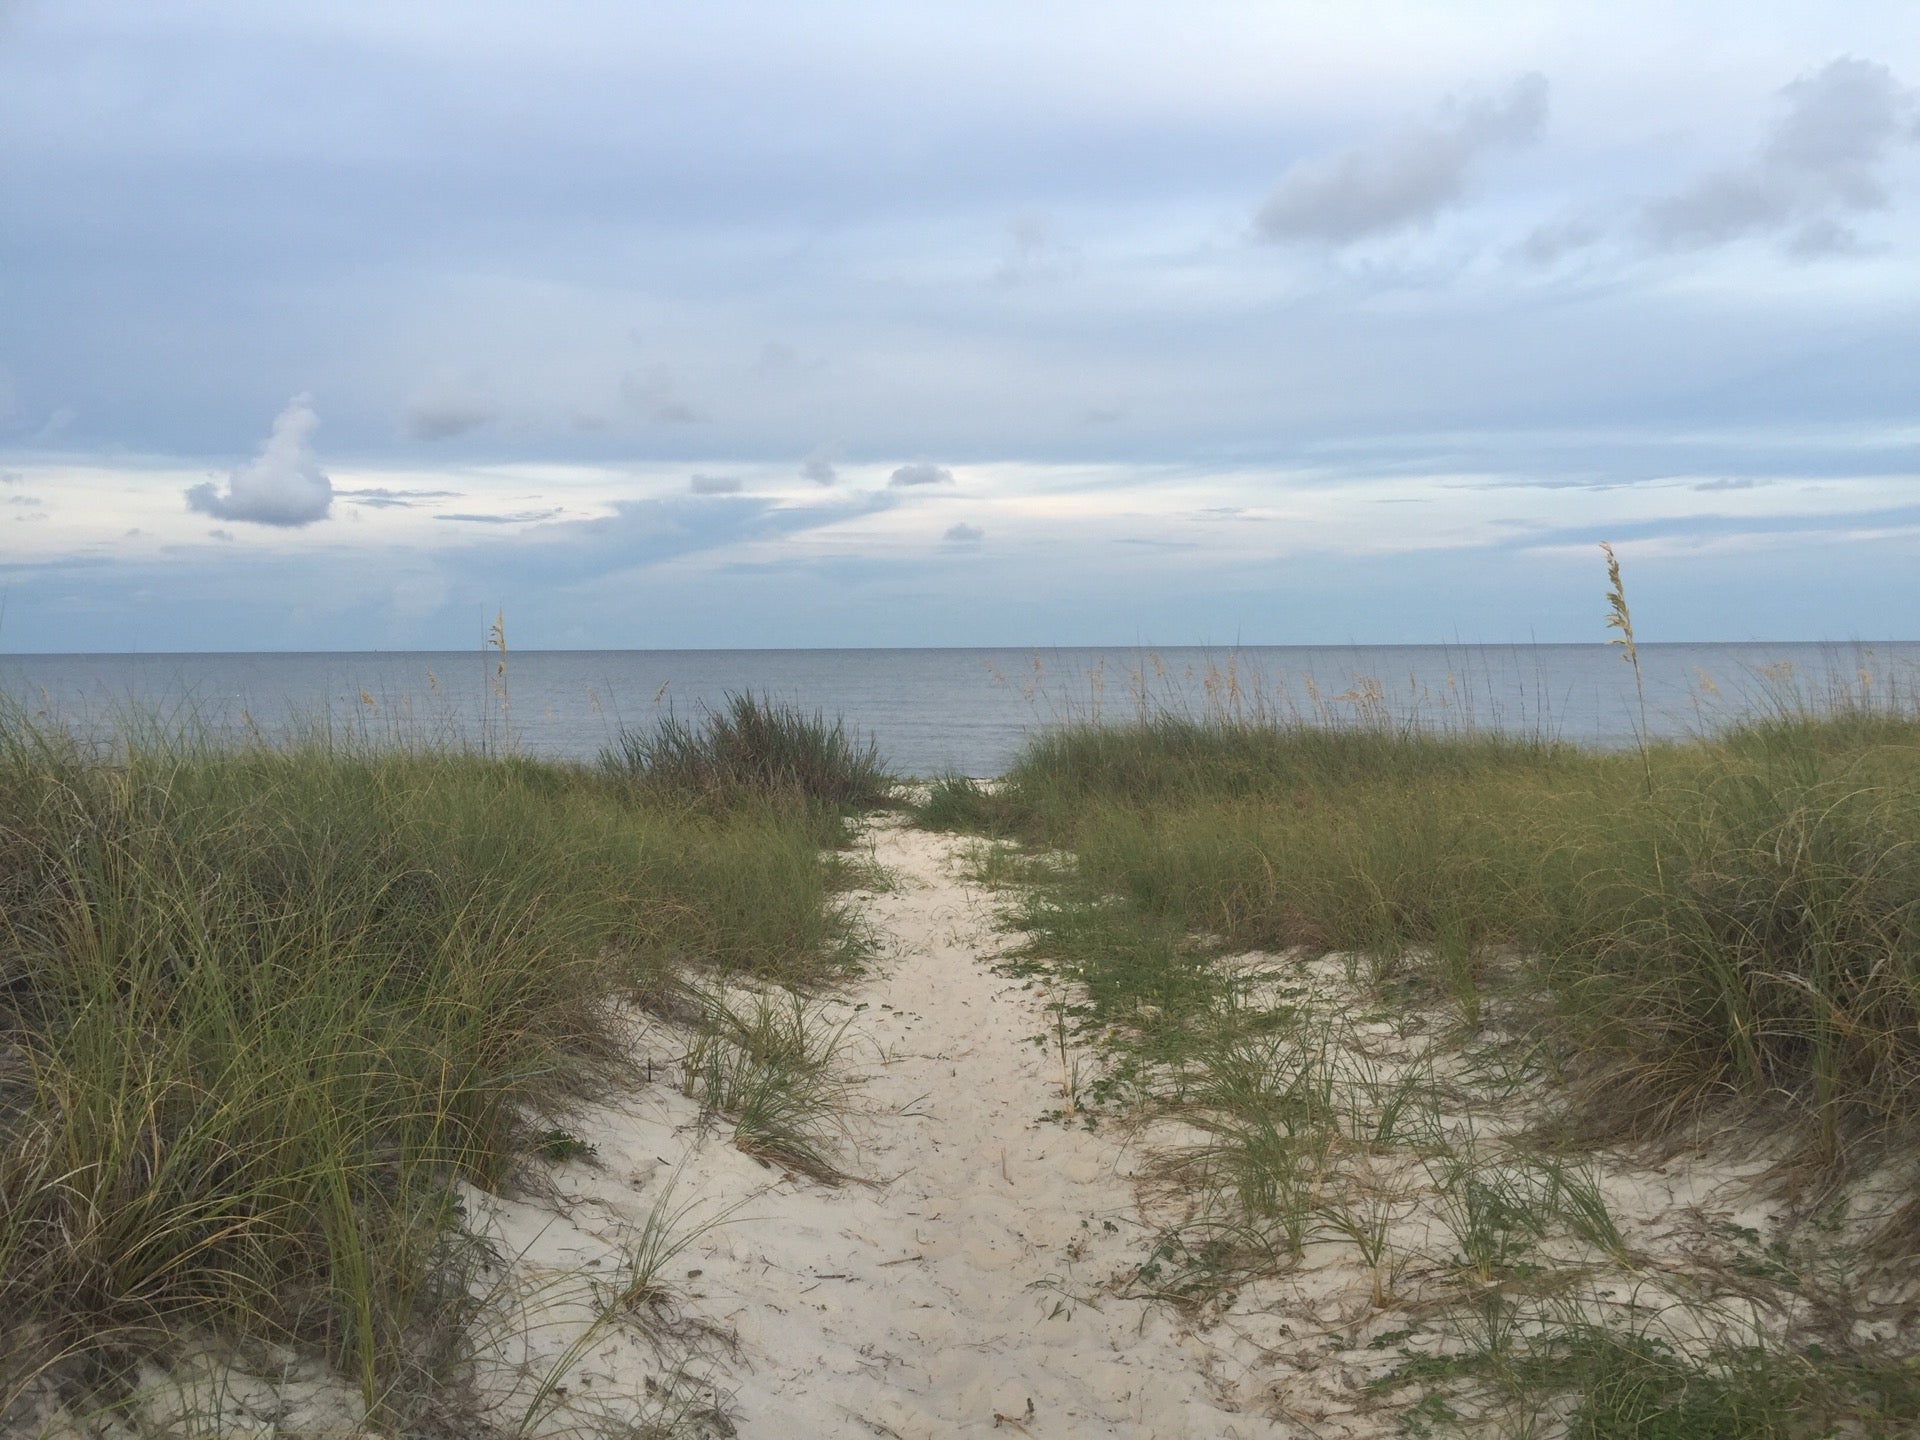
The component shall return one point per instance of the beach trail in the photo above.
(957, 1285)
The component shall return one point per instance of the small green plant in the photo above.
(496, 677)
(639, 1293)
(770, 1064)
(562, 1145)
(1495, 1209)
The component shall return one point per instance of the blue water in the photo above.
(937, 710)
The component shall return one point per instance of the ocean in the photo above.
(961, 710)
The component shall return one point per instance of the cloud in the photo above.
(1730, 482)
(964, 534)
(1821, 164)
(920, 474)
(282, 485)
(818, 467)
(444, 417)
(378, 497)
(1034, 254)
(10, 477)
(656, 396)
(714, 485)
(1404, 179)
(1559, 238)
(519, 517)
(779, 360)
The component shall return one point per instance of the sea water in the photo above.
(960, 710)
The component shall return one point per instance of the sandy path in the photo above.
(940, 1300)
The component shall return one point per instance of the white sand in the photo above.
(944, 1298)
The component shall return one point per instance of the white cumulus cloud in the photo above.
(282, 485)
(444, 416)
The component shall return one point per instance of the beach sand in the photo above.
(955, 1287)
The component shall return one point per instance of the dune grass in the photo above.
(755, 746)
(1625, 942)
(960, 804)
(1748, 925)
(260, 1009)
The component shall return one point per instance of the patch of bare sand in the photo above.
(955, 1288)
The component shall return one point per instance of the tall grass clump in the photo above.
(960, 804)
(1754, 930)
(1733, 917)
(755, 745)
(261, 1010)
(1279, 833)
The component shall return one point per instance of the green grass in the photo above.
(1748, 927)
(260, 1009)
(1569, 946)
(1626, 1386)
(955, 803)
(752, 746)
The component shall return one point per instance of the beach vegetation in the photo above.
(959, 804)
(1421, 996)
(770, 1063)
(265, 1010)
(1748, 930)
(752, 746)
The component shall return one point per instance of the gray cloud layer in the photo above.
(1823, 164)
(1403, 179)
(282, 485)
(791, 225)
(382, 497)
(446, 417)
(656, 396)
(920, 474)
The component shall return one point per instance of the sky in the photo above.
(348, 326)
